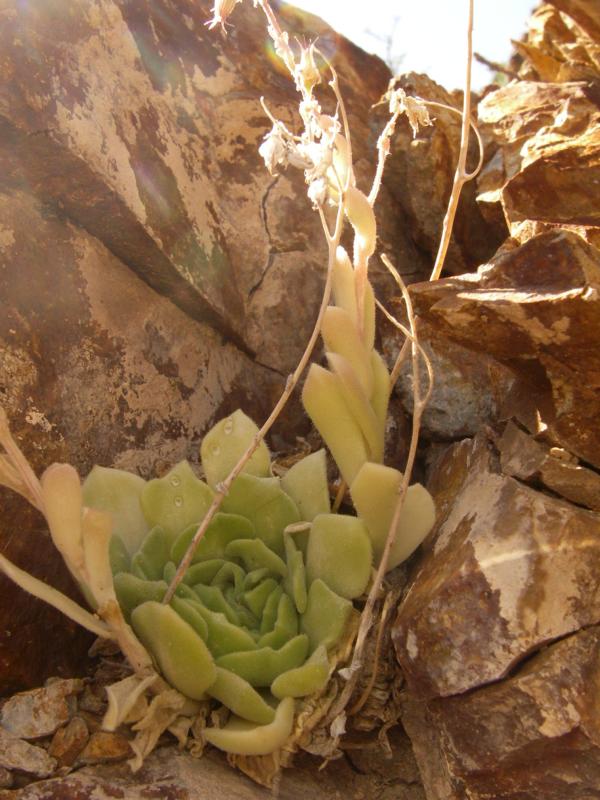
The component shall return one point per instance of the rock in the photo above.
(534, 735)
(68, 742)
(147, 137)
(170, 772)
(507, 570)
(6, 778)
(95, 367)
(548, 167)
(470, 389)
(536, 309)
(419, 174)
(20, 756)
(104, 747)
(39, 712)
(528, 460)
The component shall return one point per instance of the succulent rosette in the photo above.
(267, 596)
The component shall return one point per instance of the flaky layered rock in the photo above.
(510, 570)
(536, 309)
(535, 735)
(547, 171)
(147, 136)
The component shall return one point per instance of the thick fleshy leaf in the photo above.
(223, 528)
(269, 614)
(223, 636)
(149, 561)
(63, 506)
(306, 483)
(255, 554)
(241, 698)
(285, 627)
(380, 396)
(214, 599)
(176, 501)
(243, 738)
(295, 582)
(118, 555)
(325, 405)
(375, 493)
(191, 615)
(132, 591)
(266, 505)
(118, 493)
(326, 616)
(256, 597)
(358, 403)
(226, 442)
(261, 667)
(309, 678)
(203, 572)
(180, 653)
(340, 553)
(341, 336)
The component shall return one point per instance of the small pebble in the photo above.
(15, 754)
(68, 742)
(104, 746)
(39, 712)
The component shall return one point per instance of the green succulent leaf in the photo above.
(180, 653)
(301, 681)
(244, 738)
(118, 493)
(149, 561)
(226, 442)
(176, 501)
(340, 554)
(223, 528)
(306, 483)
(262, 666)
(240, 697)
(266, 505)
(326, 616)
(132, 591)
(255, 554)
(374, 494)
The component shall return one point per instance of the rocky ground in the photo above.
(149, 270)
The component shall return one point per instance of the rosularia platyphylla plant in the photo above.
(237, 592)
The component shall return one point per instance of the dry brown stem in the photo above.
(461, 176)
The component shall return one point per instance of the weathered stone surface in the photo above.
(548, 167)
(68, 742)
(39, 712)
(171, 773)
(529, 460)
(470, 389)
(509, 570)
(104, 747)
(95, 367)
(534, 735)
(536, 309)
(419, 174)
(6, 778)
(15, 754)
(147, 136)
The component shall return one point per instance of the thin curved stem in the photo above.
(460, 175)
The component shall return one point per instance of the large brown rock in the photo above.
(547, 170)
(535, 735)
(142, 126)
(95, 367)
(509, 570)
(536, 309)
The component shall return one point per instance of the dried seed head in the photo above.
(307, 71)
(221, 11)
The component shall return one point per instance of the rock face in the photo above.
(498, 634)
(536, 309)
(511, 569)
(147, 136)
